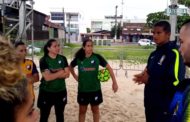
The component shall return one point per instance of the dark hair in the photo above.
(165, 24)
(18, 44)
(48, 44)
(186, 23)
(80, 54)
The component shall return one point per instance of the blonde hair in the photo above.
(11, 79)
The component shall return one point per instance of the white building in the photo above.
(109, 22)
(71, 22)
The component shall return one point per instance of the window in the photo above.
(73, 26)
(72, 17)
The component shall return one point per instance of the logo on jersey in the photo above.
(92, 62)
(96, 98)
(29, 67)
(161, 60)
(59, 61)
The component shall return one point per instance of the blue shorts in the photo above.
(93, 98)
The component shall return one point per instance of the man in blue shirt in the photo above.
(164, 71)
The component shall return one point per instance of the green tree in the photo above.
(155, 17)
(112, 31)
(181, 20)
(119, 31)
(184, 2)
(152, 18)
(88, 30)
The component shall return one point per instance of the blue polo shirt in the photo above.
(166, 69)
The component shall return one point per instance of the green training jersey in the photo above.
(88, 72)
(53, 65)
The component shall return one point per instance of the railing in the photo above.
(121, 61)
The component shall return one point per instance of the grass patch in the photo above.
(131, 53)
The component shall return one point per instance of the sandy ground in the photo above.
(124, 106)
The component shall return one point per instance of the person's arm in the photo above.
(141, 78)
(46, 73)
(71, 67)
(66, 73)
(73, 73)
(35, 74)
(176, 68)
(114, 84)
(33, 78)
(66, 69)
(104, 63)
(48, 76)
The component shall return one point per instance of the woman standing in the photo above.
(89, 89)
(54, 69)
(28, 66)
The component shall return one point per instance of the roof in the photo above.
(53, 25)
(135, 28)
(102, 31)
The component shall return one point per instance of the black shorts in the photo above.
(49, 98)
(93, 98)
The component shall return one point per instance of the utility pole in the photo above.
(64, 29)
(22, 20)
(173, 18)
(2, 17)
(62, 40)
(32, 28)
(115, 22)
(69, 24)
(122, 3)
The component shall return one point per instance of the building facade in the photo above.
(43, 29)
(106, 24)
(71, 23)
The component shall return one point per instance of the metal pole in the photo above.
(122, 3)
(2, 17)
(115, 23)
(62, 40)
(69, 28)
(64, 35)
(173, 18)
(22, 20)
(32, 29)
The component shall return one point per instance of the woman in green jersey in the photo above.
(52, 92)
(89, 89)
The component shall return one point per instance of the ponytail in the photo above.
(48, 44)
(80, 54)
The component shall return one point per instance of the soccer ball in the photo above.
(103, 75)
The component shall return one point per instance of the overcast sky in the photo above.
(97, 9)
